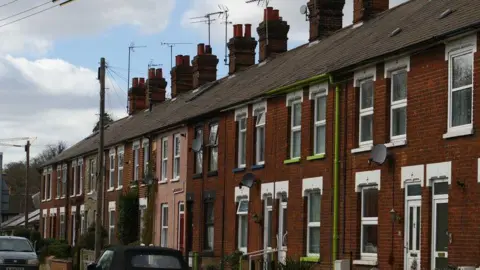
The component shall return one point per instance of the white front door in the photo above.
(441, 236)
(282, 231)
(412, 234)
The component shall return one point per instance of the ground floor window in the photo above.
(111, 226)
(62, 226)
(209, 225)
(369, 223)
(242, 227)
(164, 224)
(313, 223)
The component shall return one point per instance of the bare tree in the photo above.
(107, 119)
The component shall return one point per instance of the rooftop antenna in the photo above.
(131, 49)
(171, 45)
(262, 2)
(208, 20)
(225, 15)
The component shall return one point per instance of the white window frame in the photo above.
(44, 225)
(45, 180)
(111, 225)
(59, 181)
(62, 228)
(74, 224)
(136, 161)
(366, 221)
(259, 109)
(74, 178)
(80, 167)
(164, 168)
(64, 180)
(164, 226)
(91, 179)
(365, 112)
(464, 46)
(317, 92)
(111, 176)
(293, 99)
(146, 156)
(239, 230)
(176, 156)
(213, 146)
(199, 155)
(242, 141)
(120, 165)
(311, 224)
(49, 178)
(82, 222)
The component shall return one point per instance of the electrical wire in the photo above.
(6, 4)
(25, 11)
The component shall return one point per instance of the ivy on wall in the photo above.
(128, 220)
(148, 217)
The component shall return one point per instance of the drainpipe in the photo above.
(336, 169)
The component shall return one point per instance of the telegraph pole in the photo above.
(27, 150)
(100, 165)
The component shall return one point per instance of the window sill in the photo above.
(120, 188)
(175, 180)
(163, 181)
(213, 173)
(369, 262)
(363, 148)
(197, 176)
(458, 133)
(396, 143)
(258, 167)
(110, 189)
(80, 194)
(207, 253)
(292, 160)
(315, 157)
(313, 259)
(237, 170)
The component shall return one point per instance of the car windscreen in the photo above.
(16, 245)
(155, 260)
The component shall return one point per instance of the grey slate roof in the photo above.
(419, 22)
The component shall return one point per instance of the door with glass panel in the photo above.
(282, 230)
(267, 231)
(441, 236)
(413, 202)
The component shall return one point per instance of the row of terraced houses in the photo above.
(300, 125)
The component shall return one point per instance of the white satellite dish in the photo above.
(303, 9)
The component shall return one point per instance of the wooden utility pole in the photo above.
(100, 163)
(27, 150)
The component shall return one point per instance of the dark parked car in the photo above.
(17, 253)
(139, 257)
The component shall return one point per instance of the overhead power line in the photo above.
(11, 2)
(32, 14)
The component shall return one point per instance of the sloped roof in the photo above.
(419, 23)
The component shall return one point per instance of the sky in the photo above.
(48, 61)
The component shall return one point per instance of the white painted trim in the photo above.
(464, 43)
(145, 142)
(64, 166)
(312, 184)
(82, 208)
(53, 211)
(112, 206)
(262, 105)
(241, 112)
(50, 169)
(294, 96)
(317, 89)
(45, 211)
(365, 73)
(439, 170)
(74, 163)
(396, 64)
(267, 189)
(59, 167)
(478, 170)
(412, 174)
(143, 201)
(136, 144)
(121, 149)
(62, 209)
(281, 187)
(73, 209)
(111, 152)
(367, 178)
(242, 193)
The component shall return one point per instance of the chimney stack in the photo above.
(325, 17)
(156, 87)
(277, 34)
(182, 75)
(242, 48)
(366, 9)
(137, 96)
(204, 66)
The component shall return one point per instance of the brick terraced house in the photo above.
(356, 150)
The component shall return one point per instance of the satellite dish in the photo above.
(378, 154)
(247, 180)
(197, 145)
(303, 9)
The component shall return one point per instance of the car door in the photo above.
(155, 259)
(105, 261)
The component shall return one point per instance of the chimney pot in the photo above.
(178, 59)
(151, 73)
(134, 82)
(325, 17)
(200, 49)
(186, 60)
(277, 35)
(365, 9)
(267, 14)
(248, 30)
(141, 82)
(240, 30)
(159, 73)
(276, 15)
(208, 49)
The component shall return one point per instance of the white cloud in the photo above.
(243, 13)
(49, 99)
(78, 18)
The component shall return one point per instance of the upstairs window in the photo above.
(136, 161)
(111, 178)
(146, 157)
(80, 176)
(398, 110)
(59, 181)
(164, 159)
(93, 170)
(366, 112)
(73, 188)
(198, 156)
(259, 114)
(294, 100)
(318, 94)
(241, 117)
(121, 155)
(64, 180)
(176, 157)
(213, 143)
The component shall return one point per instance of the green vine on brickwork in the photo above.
(148, 217)
(128, 211)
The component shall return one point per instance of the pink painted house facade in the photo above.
(169, 225)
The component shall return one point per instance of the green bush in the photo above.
(128, 219)
(135, 243)
(60, 250)
(231, 261)
(22, 232)
(292, 264)
(87, 240)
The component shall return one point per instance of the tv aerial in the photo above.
(225, 16)
(208, 20)
(171, 45)
(261, 3)
(247, 180)
(378, 154)
(304, 11)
